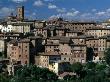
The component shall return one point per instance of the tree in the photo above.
(77, 68)
(4, 78)
(101, 67)
(90, 65)
(67, 77)
(33, 73)
(107, 56)
(90, 54)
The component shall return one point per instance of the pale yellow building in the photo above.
(98, 31)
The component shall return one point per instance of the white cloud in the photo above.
(67, 14)
(100, 13)
(51, 6)
(94, 10)
(38, 3)
(92, 15)
(6, 11)
(18, 1)
(86, 15)
(108, 10)
(49, 0)
(33, 13)
(72, 13)
(62, 10)
(53, 16)
(73, 9)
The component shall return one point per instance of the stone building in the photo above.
(102, 46)
(94, 44)
(6, 28)
(21, 27)
(72, 33)
(55, 21)
(59, 67)
(38, 30)
(44, 59)
(19, 51)
(67, 47)
(78, 53)
(78, 26)
(98, 31)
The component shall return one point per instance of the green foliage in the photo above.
(100, 67)
(89, 72)
(4, 78)
(90, 65)
(69, 77)
(33, 73)
(76, 67)
(107, 56)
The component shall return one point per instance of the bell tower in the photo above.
(20, 12)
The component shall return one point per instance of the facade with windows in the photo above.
(19, 51)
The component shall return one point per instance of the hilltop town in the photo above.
(51, 44)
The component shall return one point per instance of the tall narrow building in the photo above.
(20, 12)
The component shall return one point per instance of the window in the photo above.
(103, 48)
(12, 48)
(26, 56)
(44, 33)
(25, 50)
(82, 55)
(19, 55)
(61, 53)
(74, 60)
(25, 62)
(78, 55)
(64, 58)
(69, 59)
(74, 55)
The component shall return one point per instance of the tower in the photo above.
(20, 12)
